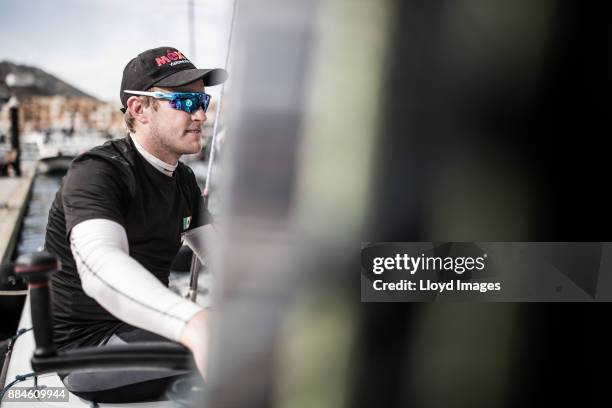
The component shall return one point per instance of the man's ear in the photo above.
(136, 109)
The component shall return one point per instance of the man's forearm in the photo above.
(195, 337)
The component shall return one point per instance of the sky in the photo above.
(86, 43)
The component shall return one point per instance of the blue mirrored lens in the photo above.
(190, 102)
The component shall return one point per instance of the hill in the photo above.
(36, 81)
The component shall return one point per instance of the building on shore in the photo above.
(65, 113)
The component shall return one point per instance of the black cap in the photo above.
(164, 67)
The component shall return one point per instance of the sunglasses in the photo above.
(188, 102)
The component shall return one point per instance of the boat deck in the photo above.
(24, 347)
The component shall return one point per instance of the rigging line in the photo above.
(211, 156)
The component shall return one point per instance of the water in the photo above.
(32, 236)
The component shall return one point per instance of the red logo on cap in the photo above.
(170, 56)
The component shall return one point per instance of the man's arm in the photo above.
(131, 293)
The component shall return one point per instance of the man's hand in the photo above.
(195, 338)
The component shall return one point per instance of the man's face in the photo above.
(175, 131)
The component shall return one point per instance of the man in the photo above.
(116, 225)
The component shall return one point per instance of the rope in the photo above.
(19, 333)
(7, 355)
(211, 157)
(18, 379)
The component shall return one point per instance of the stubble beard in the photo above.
(163, 142)
(172, 145)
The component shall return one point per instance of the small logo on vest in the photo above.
(186, 222)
